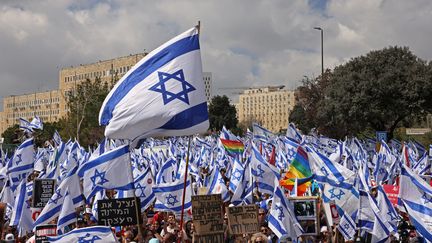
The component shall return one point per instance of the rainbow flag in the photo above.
(300, 169)
(231, 143)
(232, 146)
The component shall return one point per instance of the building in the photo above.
(46, 105)
(267, 106)
(107, 70)
(52, 105)
(207, 77)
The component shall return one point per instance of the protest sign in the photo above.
(306, 212)
(243, 219)
(392, 193)
(43, 189)
(118, 212)
(42, 231)
(207, 214)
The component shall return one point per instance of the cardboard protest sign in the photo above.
(243, 219)
(118, 212)
(43, 189)
(207, 214)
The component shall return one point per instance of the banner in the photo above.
(243, 219)
(118, 212)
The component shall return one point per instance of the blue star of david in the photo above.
(324, 171)
(259, 172)
(57, 195)
(333, 194)
(237, 174)
(426, 198)
(140, 188)
(75, 157)
(422, 165)
(281, 214)
(392, 216)
(346, 226)
(19, 159)
(171, 200)
(101, 176)
(382, 171)
(291, 153)
(91, 240)
(170, 96)
(221, 181)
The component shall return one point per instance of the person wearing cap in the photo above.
(324, 235)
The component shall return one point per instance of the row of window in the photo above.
(33, 113)
(97, 74)
(33, 102)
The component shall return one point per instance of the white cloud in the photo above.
(244, 43)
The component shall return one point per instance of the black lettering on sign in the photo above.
(118, 212)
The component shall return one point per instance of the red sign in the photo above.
(392, 193)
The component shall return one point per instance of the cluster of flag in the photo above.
(348, 174)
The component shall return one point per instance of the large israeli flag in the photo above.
(162, 95)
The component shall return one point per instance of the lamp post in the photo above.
(322, 50)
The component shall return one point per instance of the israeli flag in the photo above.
(218, 186)
(111, 170)
(162, 95)
(167, 172)
(25, 125)
(282, 220)
(67, 214)
(416, 195)
(264, 174)
(36, 123)
(22, 162)
(144, 189)
(88, 234)
(21, 214)
(169, 196)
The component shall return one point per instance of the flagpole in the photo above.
(138, 210)
(184, 188)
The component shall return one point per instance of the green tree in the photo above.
(84, 103)
(41, 136)
(222, 113)
(378, 90)
(11, 135)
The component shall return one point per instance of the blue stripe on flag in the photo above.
(188, 118)
(161, 58)
(104, 158)
(66, 218)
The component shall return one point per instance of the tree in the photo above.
(221, 113)
(41, 136)
(11, 135)
(83, 105)
(378, 90)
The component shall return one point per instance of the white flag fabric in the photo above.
(162, 95)
(111, 170)
(36, 123)
(88, 234)
(21, 214)
(67, 214)
(144, 189)
(416, 195)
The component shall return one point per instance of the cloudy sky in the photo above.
(243, 43)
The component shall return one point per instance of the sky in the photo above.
(244, 43)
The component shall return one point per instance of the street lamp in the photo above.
(322, 50)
